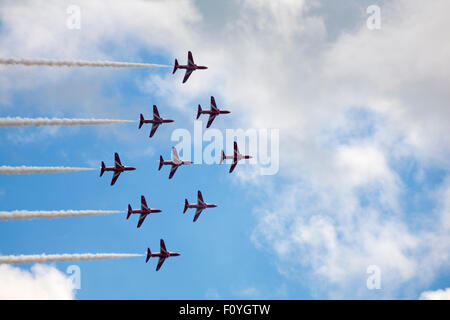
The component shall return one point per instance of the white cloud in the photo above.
(40, 283)
(436, 295)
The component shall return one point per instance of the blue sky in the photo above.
(363, 176)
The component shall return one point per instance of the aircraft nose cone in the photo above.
(133, 168)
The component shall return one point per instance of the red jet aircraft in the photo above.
(118, 168)
(200, 205)
(156, 121)
(213, 112)
(175, 162)
(162, 255)
(144, 211)
(236, 157)
(190, 67)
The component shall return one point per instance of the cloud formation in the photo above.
(41, 282)
(436, 295)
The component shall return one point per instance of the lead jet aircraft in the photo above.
(163, 255)
(213, 112)
(144, 211)
(190, 67)
(200, 205)
(156, 121)
(175, 162)
(236, 157)
(118, 168)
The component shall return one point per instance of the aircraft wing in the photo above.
(115, 177)
(213, 104)
(175, 156)
(154, 127)
(143, 203)
(200, 197)
(141, 219)
(210, 120)
(233, 166)
(155, 112)
(190, 58)
(160, 263)
(187, 75)
(172, 171)
(117, 160)
(236, 149)
(162, 246)
(197, 213)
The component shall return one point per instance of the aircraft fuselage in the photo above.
(215, 111)
(143, 211)
(201, 205)
(191, 67)
(173, 163)
(119, 169)
(164, 254)
(159, 121)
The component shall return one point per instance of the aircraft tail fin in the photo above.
(141, 120)
(149, 254)
(102, 170)
(186, 203)
(175, 67)
(161, 162)
(129, 212)
(199, 111)
(222, 157)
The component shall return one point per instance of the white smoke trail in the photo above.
(63, 257)
(24, 214)
(78, 63)
(27, 170)
(20, 122)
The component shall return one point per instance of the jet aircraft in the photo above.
(236, 157)
(190, 67)
(200, 205)
(118, 168)
(144, 211)
(175, 162)
(163, 255)
(156, 121)
(213, 112)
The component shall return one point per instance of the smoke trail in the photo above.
(20, 122)
(75, 63)
(27, 170)
(63, 257)
(24, 214)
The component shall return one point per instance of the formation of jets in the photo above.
(175, 163)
